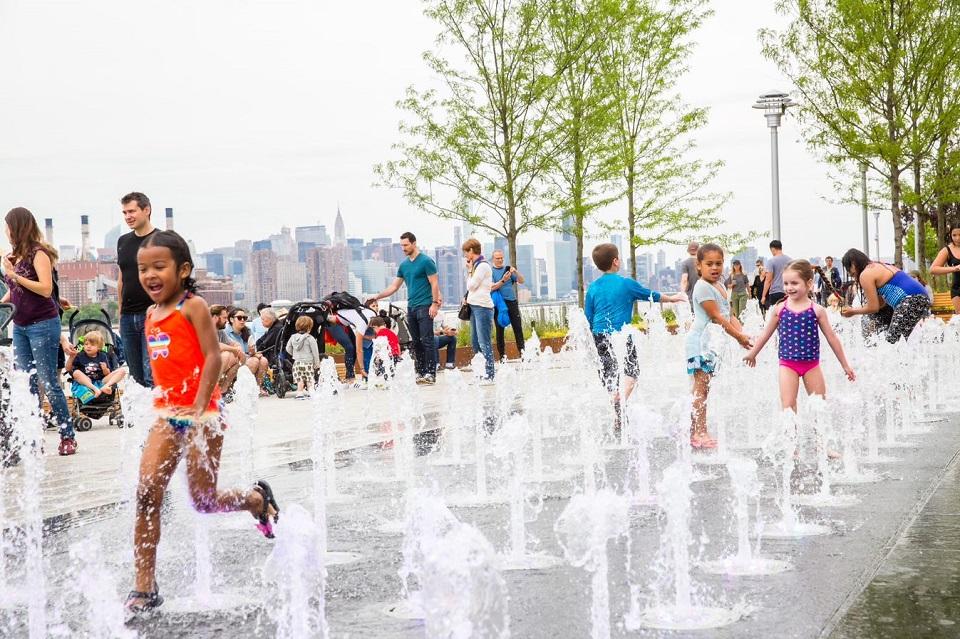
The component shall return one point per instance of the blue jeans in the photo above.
(367, 355)
(35, 350)
(481, 325)
(420, 325)
(135, 347)
(450, 343)
(345, 339)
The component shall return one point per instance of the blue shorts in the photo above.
(83, 394)
(706, 363)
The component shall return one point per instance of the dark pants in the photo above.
(345, 339)
(135, 347)
(450, 343)
(513, 308)
(774, 298)
(420, 325)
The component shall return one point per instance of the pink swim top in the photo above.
(799, 335)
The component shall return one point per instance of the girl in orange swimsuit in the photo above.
(185, 361)
(798, 321)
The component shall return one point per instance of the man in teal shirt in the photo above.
(419, 273)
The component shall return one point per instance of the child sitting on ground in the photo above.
(90, 370)
(306, 356)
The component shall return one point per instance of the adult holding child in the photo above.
(894, 302)
(419, 273)
(28, 272)
(947, 262)
(133, 300)
(479, 282)
(505, 280)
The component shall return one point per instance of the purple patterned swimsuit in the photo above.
(799, 335)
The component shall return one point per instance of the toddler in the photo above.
(302, 347)
(90, 370)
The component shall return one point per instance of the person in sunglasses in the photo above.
(238, 331)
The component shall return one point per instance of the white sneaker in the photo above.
(360, 384)
(486, 381)
(299, 395)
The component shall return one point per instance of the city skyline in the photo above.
(232, 162)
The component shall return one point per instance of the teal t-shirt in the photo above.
(415, 273)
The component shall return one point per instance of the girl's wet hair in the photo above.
(801, 268)
(178, 247)
(709, 247)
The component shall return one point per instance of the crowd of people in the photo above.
(190, 353)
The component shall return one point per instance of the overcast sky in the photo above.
(245, 115)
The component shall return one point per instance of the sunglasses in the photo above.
(242, 318)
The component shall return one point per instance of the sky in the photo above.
(248, 115)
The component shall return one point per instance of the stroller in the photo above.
(9, 448)
(281, 365)
(84, 414)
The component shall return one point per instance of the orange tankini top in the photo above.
(176, 360)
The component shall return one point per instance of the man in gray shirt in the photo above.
(688, 271)
(773, 278)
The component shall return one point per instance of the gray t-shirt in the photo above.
(223, 339)
(777, 265)
(738, 282)
(689, 266)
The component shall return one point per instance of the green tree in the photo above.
(667, 194)
(866, 71)
(583, 116)
(478, 151)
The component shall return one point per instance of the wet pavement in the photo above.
(889, 568)
(915, 591)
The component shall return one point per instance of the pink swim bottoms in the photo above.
(800, 367)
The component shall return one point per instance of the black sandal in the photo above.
(151, 601)
(263, 519)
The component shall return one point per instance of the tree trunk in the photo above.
(940, 176)
(897, 219)
(631, 223)
(920, 228)
(579, 232)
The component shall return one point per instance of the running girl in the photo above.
(796, 320)
(185, 360)
(710, 304)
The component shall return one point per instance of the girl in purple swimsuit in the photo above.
(797, 320)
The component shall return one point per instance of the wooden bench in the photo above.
(942, 306)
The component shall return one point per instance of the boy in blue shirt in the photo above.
(609, 307)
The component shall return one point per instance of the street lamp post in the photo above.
(863, 204)
(774, 104)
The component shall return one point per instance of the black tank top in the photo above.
(953, 261)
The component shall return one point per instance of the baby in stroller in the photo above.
(90, 370)
(94, 376)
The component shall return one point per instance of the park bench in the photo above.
(942, 306)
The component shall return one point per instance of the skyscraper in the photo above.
(316, 235)
(263, 273)
(339, 232)
(450, 274)
(327, 268)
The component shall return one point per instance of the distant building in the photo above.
(374, 275)
(562, 265)
(327, 270)
(339, 231)
(316, 235)
(747, 257)
(450, 274)
(283, 244)
(541, 279)
(214, 288)
(263, 275)
(292, 280)
(524, 264)
(86, 282)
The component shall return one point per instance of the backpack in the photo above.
(340, 300)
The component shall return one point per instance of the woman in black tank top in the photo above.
(948, 262)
